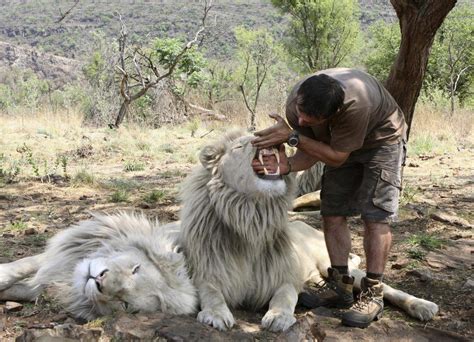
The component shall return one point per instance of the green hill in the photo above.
(34, 23)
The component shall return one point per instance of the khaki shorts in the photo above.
(367, 184)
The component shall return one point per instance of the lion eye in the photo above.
(237, 147)
(135, 269)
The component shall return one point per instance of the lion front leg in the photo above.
(280, 315)
(16, 271)
(214, 310)
(21, 292)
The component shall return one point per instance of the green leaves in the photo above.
(321, 33)
(191, 65)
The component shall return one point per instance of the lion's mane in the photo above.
(101, 236)
(237, 241)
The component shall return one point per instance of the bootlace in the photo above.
(323, 285)
(364, 300)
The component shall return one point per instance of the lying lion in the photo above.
(239, 250)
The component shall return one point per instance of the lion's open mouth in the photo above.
(271, 153)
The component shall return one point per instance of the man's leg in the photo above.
(369, 304)
(336, 291)
(338, 239)
(377, 243)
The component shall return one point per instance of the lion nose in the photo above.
(99, 279)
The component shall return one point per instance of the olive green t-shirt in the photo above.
(369, 117)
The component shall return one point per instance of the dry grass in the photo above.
(437, 132)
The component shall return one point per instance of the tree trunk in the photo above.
(122, 112)
(419, 20)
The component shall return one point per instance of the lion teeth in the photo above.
(266, 152)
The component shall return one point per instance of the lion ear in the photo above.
(210, 156)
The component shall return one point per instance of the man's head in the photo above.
(319, 97)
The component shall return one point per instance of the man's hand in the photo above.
(274, 135)
(271, 164)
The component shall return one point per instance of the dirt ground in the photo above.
(431, 255)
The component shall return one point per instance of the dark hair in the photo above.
(320, 96)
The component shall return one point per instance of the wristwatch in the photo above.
(293, 139)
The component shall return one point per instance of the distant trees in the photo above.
(321, 34)
(451, 63)
(450, 66)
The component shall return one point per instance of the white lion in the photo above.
(240, 251)
(109, 263)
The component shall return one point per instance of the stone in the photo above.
(468, 285)
(30, 231)
(423, 275)
(63, 332)
(450, 218)
(13, 306)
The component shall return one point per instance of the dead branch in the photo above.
(144, 71)
(65, 14)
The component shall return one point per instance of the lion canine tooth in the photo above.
(269, 151)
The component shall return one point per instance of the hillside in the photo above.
(58, 69)
(34, 23)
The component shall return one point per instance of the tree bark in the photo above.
(419, 20)
(122, 112)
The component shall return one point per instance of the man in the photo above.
(348, 120)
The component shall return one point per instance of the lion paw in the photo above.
(421, 309)
(278, 321)
(219, 319)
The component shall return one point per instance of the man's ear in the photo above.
(210, 155)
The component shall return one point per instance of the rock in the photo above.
(60, 317)
(13, 306)
(468, 285)
(400, 264)
(450, 218)
(8, 235)
(413, 165)
(166, 327)
(305, 329)
(63, 332)
(83, 197)
(424, 275)
(29, 231)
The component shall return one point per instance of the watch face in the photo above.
(293, 140)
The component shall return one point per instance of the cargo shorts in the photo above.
(367, 184)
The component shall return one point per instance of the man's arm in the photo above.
(318, 150)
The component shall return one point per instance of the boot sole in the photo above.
(362, 325)
(306, 301)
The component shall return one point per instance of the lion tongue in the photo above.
(273, 152)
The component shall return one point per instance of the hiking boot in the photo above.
(368, 307)
(335, 291)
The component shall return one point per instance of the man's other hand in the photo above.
(274, 135)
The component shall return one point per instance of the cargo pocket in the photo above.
(387, 191)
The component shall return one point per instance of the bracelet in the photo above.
(289, 168)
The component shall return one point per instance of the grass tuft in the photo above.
(119, 195)
(132, 166)
(155, 196)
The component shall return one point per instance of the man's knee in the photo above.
(332, 222)
(377, 227)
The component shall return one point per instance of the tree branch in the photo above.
(63, 16)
